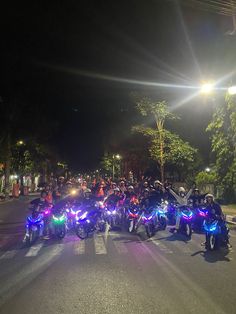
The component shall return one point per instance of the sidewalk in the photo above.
(10, 199)
(230, 212)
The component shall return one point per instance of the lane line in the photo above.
(99, 244)
(8, 254)
(79, 247)
(33, 251)
(120, 247)
(160, 245)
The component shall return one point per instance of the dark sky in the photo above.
(62, 53)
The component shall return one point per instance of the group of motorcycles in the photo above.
(56, 221)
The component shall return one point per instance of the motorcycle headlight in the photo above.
(83, 216)
(55, 218)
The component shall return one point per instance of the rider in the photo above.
(156, 194)
(145, 200)
(215, 211)
(113, 198)
(40, 203)
(196, 198)
(122, 186)
(182, 199)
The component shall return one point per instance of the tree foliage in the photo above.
(107, 163)
(223, 141)
(166, 147)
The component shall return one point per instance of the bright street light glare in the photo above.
(118, 156)
(232, 90)
(207, 169)
(207, 88)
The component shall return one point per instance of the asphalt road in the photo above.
(111, 273)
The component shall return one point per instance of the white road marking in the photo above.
(161, 246)
(79, 247)
(9, 254)
(99, 244)
(120, 247)
(33, 251)
(56, 250)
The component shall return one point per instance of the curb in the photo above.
(7, 201)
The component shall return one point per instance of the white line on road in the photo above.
(120, 247)
(9, 254)
(33, 251)
(100, 247)
(161, 246)
(79, 248)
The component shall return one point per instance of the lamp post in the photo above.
(117, 157)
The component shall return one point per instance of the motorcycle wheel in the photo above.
(102, 226)
(61, 233)
(188, 230)
(131, 226)
(211, 242)
(150, 230)
(32, 237)
(163, 223)
(81, 232)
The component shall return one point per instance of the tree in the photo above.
(223, 142)
(165, 147)
(111, 164)
(19, 119)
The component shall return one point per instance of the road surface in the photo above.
(111, 273)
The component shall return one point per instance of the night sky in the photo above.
(69, 57)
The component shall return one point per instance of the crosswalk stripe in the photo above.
(57, 249)
(33, 251)
(120, 247)
(8, 254)
(160, 245)
(79, 248)
(99, 244)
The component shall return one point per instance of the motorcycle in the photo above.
(112, 216)
(150, 223)
(87, 223)
(199, 217)
(71, 213)
(186, 218)
(59, 224)
(214, 236)
(170, 212)
(47, 215)
(133, 217)
(34, 227)
(161, 215)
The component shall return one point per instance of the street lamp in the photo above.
(207, 169)
(118, 157)
(20, 142)
(232, 90)
(207, 88)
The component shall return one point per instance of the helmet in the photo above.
(116, 190)
(44, 193)
(146, 190)
(87, 191)
(196, 190)
(209, 196)
(157, 182)
(145, 183)
(122, 182)
(130, 187)
(182, 189)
